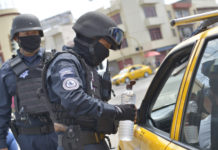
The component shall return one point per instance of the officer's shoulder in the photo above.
(6, 65)
(53, 55)
(64, 55)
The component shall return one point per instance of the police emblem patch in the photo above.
(70, 84)
(24, 74)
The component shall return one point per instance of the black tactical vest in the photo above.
(92, 85)
(92, 88)
(28, 85)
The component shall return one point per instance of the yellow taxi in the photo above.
(180, 108)
(131, 72)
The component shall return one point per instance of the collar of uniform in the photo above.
(38, 54)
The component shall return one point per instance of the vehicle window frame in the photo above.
(157, 84)
(124, 72)
(193, 77)
(169, 73)
(138, 67)
(132, 69)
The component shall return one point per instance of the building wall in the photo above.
(204, 3)
(69, 34)
(196, 6)
(136, 27)
(58, 31)
(6, 17)
(58, 36)
(202, 6)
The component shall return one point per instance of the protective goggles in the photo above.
(116, 35)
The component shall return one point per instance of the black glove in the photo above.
(125, 112)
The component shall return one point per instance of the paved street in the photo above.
(139, 89)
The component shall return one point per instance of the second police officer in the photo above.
(21, 77)
(74, 86)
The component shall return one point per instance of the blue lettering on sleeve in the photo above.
(66, 72)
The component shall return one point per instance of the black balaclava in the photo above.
(29, 43)
(91, 50)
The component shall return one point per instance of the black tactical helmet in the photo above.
(95, 24)
(25, 22)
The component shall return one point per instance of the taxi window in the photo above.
(138, 67)
(163, 109)
(132, 69)
(170, 89)
(158, 106)
(200, 124)
(123, 71)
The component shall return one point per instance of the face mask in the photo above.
(99, 52)
(30, 43)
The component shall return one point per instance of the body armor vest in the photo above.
(28, 85)
(92, 77)
(92, 87)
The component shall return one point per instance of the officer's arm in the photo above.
(66, 83)
(5, 106)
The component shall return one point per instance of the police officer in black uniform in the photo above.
(75, 88)
(21, 77)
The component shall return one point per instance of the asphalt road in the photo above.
(139, 89)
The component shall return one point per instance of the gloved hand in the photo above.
(126, 112)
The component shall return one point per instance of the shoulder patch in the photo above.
(70, 84)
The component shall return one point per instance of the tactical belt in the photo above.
(45, 129)
(87, 137)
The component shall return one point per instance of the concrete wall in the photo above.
(136, 27)
(6, 17)
(204, 3)
(58, 36)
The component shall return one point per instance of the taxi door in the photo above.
(196, 125)
(139, 72)
(134, 144)
(132, 73)
(158, 109)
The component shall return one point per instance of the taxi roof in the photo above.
(207, 33)
(208, 18)
(204, 34)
